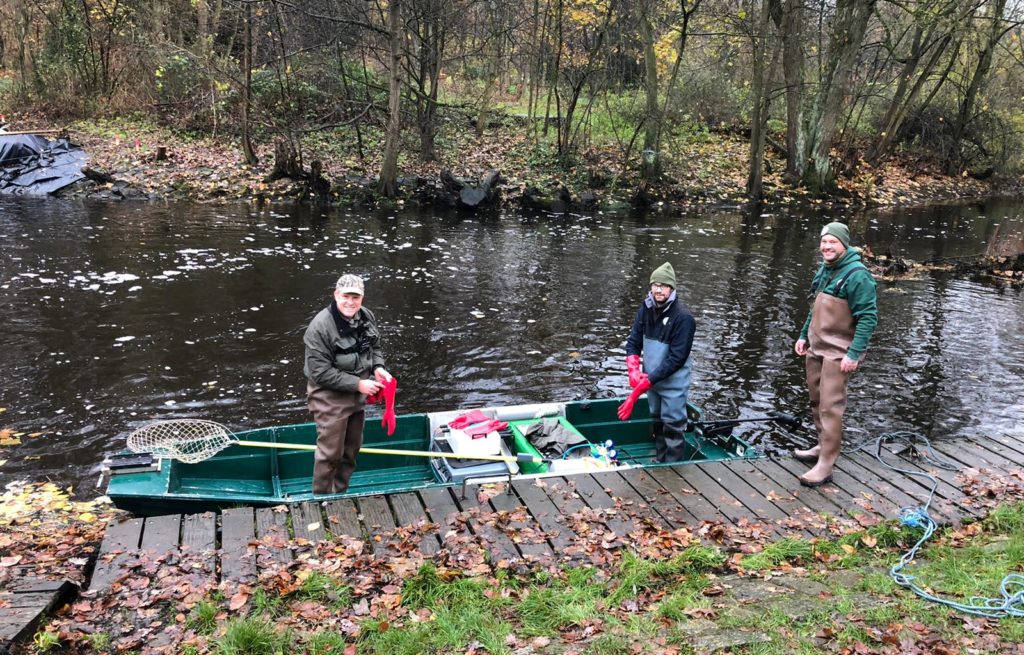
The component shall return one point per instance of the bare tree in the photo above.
(389, 166)
(847, 33)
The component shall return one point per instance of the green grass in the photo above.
(253, 636)
(637, 574)
(324, 589)
(774, 554)
(460, 612)
(325, 643)
(265, 603)
(204, 617)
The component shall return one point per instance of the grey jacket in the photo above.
(340, 352)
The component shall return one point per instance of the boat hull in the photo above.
(241, 476)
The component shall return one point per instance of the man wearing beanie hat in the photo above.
(833, 341)
(658, 361)
(343, 365)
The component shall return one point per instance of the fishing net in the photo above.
(187, 440)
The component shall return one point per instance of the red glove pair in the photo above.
(636, 373)
(479, 430)
(626, 408)
(470, 418)
(387, 394)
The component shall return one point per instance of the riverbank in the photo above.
(712, 587)
(150, 162)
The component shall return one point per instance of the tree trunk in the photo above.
(851, 23)
(904, 98)
(650, 162)
(248, 152)
(389, 166)
(793, 74)
(759, 112)
(965, 114)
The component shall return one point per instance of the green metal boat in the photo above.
(242, 475)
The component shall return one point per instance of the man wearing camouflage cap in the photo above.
(343, 365)
(833, 341)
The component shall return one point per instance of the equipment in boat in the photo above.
(196, 440)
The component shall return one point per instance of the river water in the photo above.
(118, 314)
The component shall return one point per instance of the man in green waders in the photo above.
(658, 361)
(343, 365)
(834, 339)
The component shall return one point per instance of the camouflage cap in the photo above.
(349, 284)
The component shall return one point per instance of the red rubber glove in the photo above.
(636, 373)
(388, 391)
(483, 429)
(470, 418)
(626, 408)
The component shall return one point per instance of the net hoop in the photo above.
(187, 440)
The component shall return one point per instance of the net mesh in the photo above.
(187, 440)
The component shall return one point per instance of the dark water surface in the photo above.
(118, 314)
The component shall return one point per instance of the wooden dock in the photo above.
(535, 512)
(762, 492)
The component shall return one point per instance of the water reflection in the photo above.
(119, 314)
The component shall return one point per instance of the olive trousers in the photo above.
(339, 419)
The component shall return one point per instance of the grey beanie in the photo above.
(664, 274)
(839, 231)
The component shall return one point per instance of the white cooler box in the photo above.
(459, 470)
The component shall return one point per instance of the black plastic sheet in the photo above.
(34, 165)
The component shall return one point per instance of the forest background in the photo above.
(638, 99)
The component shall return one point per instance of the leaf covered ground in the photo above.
(709, 588)
(702, 168)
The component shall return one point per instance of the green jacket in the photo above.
(858, 290)
(340, 352)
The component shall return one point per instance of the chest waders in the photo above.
(829, 338)
(667, 400)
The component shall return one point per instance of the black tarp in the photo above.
(34, 165)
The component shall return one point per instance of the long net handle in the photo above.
(530, 459)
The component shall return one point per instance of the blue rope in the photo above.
(1011, 601)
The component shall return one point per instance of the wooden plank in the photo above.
(669, 510)
(272, 534)
(410, 514)
(237, 558)
(161, 535)
(199, 533)
(797, 515)
(379, 522)
(834, 493)
(443, 512)
(719, 497)
(343, 518)
(947, 504)
(592, 491)
(973, 454)
(482, 519)
(22, 612)
(857, 477)
(307, 523)
(199, 543)
(816, 502)
(631, 502)
(550, 517)
(671, 480)
(564, 497)
(1006, 446)
(738, 488)
(879, 485)
(902, 489)
(521, 526)
(120, 541)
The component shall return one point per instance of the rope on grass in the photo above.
(1011, 599)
